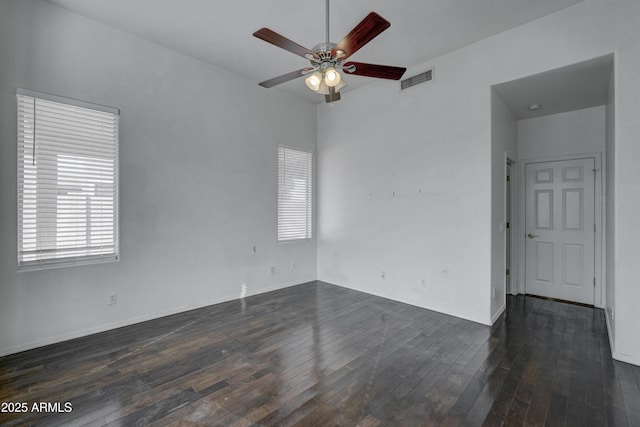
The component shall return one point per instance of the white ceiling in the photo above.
(577, 86)
(220, 31)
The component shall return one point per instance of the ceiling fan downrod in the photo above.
(327, 21)
(324, 51)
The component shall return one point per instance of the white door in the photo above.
(560, 230)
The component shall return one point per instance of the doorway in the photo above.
(557, 115)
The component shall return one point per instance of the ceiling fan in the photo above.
(327, 58)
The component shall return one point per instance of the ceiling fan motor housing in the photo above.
(323, 50)
(325, 57)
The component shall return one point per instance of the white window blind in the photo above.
(294, 194)
(67, 181)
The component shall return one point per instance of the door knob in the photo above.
(531, 236)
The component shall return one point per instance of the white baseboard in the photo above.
(626, 358)
(132, 321)
(612, 344)
(634, 360)
(496, 316)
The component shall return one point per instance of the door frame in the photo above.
(598, 297)
(511, 203)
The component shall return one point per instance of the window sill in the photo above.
(48, 265)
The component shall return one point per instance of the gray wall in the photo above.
(197, 178)
(610, 212)
(573, 132)
(504, 143)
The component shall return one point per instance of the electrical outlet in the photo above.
(495, 291)
(272, 270)
(293, 265)
(113, 299)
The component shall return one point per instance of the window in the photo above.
(294, 194)
(67, 181)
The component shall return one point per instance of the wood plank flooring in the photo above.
(321, 355)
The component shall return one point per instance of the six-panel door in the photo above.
(560, 230)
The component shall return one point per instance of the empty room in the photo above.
(346, 213)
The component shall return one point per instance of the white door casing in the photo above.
(560, 229)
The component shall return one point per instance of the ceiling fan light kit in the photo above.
(313, 81)
(331, 77)
(327, 59)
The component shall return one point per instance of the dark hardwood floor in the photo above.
(317, 354)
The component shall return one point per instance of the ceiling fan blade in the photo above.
(334, 95)
(362, 34)
(281, 41)
(284, 78)
(375, 70)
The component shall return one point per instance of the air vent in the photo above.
(417, 79)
